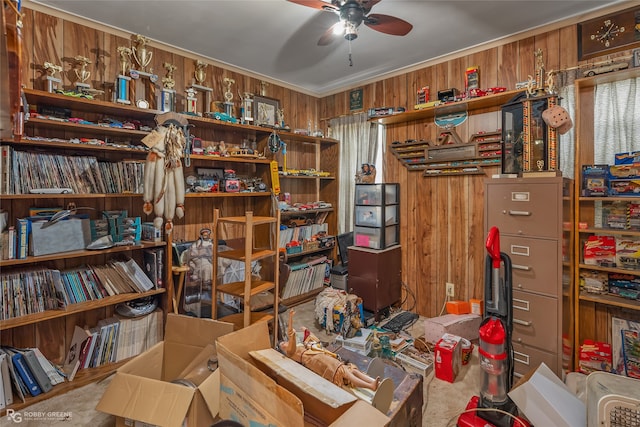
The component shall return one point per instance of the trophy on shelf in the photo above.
(192, 100)
(197, 86)
(228, 96)
(167, 100)
(82, 74)
(144, 81)
(246, 107)
(53, 82)
(122, 80)
(263, 88)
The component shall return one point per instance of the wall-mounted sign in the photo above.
(355, 100)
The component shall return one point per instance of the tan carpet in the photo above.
(442, 399)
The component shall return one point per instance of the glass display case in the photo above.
(529, 145)
(377, 213)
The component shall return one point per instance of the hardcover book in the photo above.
(25, 373)
(38, 372)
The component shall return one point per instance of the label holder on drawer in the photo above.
(524, 360)
(520, 196)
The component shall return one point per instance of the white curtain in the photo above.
(359, 144)
(616, 119)
(566, 147)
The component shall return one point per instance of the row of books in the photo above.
(28, 370)
(307, 276)
(36, 290)
(112, 340)
(21, 171)
(301, 233)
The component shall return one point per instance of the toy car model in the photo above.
(605, 69)
(299, 222)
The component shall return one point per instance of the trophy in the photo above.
(145, 81)
(140, 52)
(540, 75)
(263, 88)
(122, 80)
(246, 105)
(228, 96)
(167, 100)
(82, 74)
(200, 75)
(192, 100)
(52, 81)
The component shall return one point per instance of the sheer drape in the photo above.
(566, 147)
(358, 144)
(616, 119)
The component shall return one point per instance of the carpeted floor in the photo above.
(443, 401)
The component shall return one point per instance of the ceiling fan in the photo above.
(352, 13)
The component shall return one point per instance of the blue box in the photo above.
(595, 180)
(627, 158)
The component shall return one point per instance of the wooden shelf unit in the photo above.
(51, 330)
(593, 312)
(253, 251)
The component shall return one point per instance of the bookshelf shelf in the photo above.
(86, 128)
(83, 377)
(74, 308)
(79, 254)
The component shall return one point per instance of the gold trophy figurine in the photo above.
(263, 88)
(82, 74)
(140, 52)
(167, 96)
(52, 81)
(168, 81)
(201, 72)
(125, 59)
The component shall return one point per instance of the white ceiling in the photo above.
(277, 40)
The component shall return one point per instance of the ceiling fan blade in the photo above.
(368, 4)
(388, 24)
(316, 4)
(330, 35)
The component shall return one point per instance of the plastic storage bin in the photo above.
(377, 215)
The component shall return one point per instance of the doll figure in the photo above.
(311, 354)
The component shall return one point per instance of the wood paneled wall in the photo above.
(442, 218)
(58, 39)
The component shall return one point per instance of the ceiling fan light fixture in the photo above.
(340, 27)
(350, 31)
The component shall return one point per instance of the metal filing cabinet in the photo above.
(528, 213)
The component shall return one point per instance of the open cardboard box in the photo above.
(254, 394)
(141, 390)
(546, 401)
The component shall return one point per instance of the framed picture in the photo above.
(210, 173)
(355, 100)
(265, 110)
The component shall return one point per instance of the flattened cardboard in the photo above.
(249, 395)
(546, 401)
(141, 389)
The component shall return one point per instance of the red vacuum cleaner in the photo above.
(493, 406)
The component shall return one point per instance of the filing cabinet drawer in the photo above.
(535, 321)
(527, 358)
(526, 209)
(534, 263)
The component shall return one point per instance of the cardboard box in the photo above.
(70, 234)
(142, 390)
(257, 393)
(458, 307)
(447, 358)
(546, 401)
(462, 325)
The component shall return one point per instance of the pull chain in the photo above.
(350, 61)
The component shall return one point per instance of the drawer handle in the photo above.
(522, 322)
(519, 213)
(523, 307)
(520, 267)
(518, 375)
(521, 357)
(520, 250)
